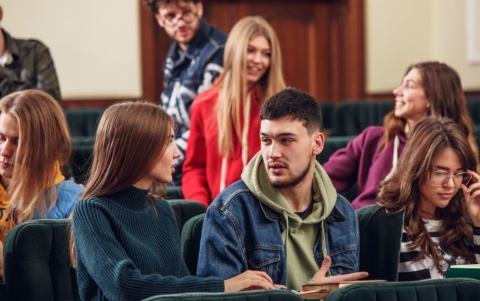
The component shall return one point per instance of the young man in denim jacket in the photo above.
(284, 217)
(194, 60)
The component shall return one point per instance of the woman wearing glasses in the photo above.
(225, 120)
(418, 227)
(427, 89)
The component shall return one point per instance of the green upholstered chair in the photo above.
(82, 123)
(82, 149)
(185, 210)
(352, 117)
(174, 192)
(258, 295)
(452, 289)
(191, 236)
(332, 144)
(37, 262)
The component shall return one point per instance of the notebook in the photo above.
(464, 271)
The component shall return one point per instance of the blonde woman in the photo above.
(34, 143)
(225, 120)
(126, 244)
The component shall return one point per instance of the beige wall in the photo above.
(96, 43)
(401, 32)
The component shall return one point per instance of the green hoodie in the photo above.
(300, 235)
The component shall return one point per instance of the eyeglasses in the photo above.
(440, 177)
(187, 16)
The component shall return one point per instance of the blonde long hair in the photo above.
(44, 143)
(235, 96)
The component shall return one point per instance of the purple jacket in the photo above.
(363, 162)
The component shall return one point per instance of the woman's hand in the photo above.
(321, 277)
(472, 198)
(249, 280)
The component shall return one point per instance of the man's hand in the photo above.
(321, 278)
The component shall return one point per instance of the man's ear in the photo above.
(319, 142)
(200, 9)
(159, 20)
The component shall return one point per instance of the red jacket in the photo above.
(203, 162)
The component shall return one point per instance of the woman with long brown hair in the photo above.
(418, 228)
(125, 240)
(428, 89)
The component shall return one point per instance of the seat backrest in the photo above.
(185, 210)
(463, 289)
(352, 117)
(191, 236)
(37, 263)
(83, 122)
(257, 295)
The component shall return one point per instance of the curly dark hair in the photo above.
(154, 4)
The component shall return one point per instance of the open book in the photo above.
(319, 291)
(464, 270)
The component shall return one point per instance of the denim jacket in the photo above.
(240, 233)
(186, 74)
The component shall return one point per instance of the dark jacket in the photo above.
(31, 68)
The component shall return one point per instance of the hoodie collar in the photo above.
(256, 179)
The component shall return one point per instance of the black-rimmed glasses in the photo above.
(187, 16)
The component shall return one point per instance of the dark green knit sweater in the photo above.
(125, 251)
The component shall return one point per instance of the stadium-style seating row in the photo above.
(341, 121)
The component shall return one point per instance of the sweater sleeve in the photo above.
(103, 262)
(343, 166)
(194, 181)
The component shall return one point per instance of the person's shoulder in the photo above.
(233, 195)
(215, 35)
(374, 131)
(207, 98)
(70, 187)
(30, 44)
(218, 36)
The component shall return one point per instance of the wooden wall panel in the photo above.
(322, 43)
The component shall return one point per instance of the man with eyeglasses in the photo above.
(193, 62)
